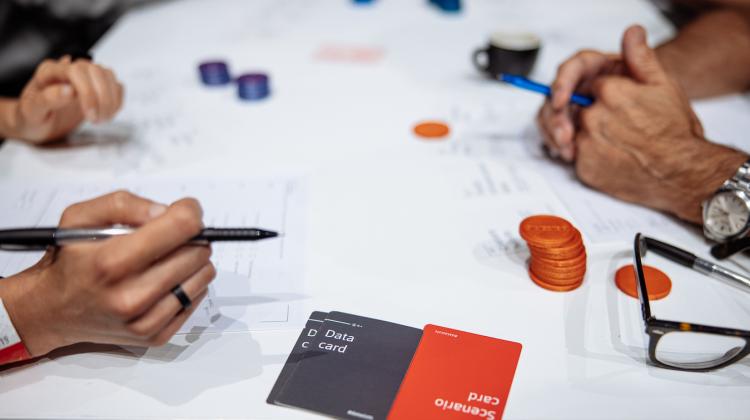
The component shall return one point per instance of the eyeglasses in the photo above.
(683, 345)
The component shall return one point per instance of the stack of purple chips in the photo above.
(253, 86)
(214, 73)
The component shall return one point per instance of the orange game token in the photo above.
(431, 129)
(558, 279)
(554, 288)
(546, 231)
(573, 244)
(558, 256)
(558, 282)
(557, 273)
(658, 284)
(580, 259)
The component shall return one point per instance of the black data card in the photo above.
(353, 369)
(303, 342)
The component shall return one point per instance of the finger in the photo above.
(120, 207)
(559, 128)
(176, 323)
(572, 72)
(37, 105)
(541, 120)
(563, 132)
(162, 337)
(104, 93)
(83, 85)
(162, 312)
(136, 295)
(640, 59)
(133, 253)
(50, 72)
(117, 90)
(544, 120)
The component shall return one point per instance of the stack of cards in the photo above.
(351, 367)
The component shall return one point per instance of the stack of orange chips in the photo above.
(558, 257)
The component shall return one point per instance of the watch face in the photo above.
(727, 214)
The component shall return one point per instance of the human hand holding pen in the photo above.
(557, 117)
(642, 142)
(58, 98)
(116, 291)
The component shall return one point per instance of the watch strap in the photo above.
(741, 178)
(12, 348)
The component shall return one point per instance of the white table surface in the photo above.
(381, 243)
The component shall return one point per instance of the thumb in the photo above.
(38, 104)
(640, 59)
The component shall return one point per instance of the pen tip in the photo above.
(269, 234)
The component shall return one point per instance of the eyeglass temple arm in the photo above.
(699, 264)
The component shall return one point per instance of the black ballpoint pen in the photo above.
(41, 238)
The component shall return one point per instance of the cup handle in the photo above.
(475, 58)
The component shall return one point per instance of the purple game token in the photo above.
(214, 73)
(253, 86)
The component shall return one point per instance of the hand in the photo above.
(557, 116)
(115, 291)
(642, 142)
(61, 94)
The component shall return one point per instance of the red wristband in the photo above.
(11, 347)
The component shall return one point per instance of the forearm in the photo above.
(8, 118)
(703, 174)
(711, 56)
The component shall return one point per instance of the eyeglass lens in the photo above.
(694, 350)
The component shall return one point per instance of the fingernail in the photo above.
(156, 210)
(91, 115)
(66, 91)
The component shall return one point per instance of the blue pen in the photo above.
(524, 83)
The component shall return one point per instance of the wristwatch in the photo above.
(727, 213)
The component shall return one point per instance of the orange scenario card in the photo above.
(456, 375)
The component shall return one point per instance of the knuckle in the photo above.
(187, 216)
(558, 85)
(586, 52)
(120, 200)
(77, 66)
(109, 266)
(607, 90)
(564, 67)
(123, 306)
(45, 66)
(70, 214)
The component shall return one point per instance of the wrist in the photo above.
(29, 313)
(712, 165)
